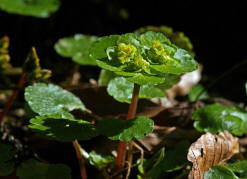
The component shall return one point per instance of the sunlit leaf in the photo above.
(126, 130)
(57, 127)
(6, 154)
(235, 170)
(36, 8)
(100, 161)
(47, 99)
(76, 47)
(31, 169)
(217, 118)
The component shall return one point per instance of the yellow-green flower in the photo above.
(126, 53)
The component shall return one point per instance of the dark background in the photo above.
(217, 31)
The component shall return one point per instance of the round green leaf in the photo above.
(6, 154)
(216, 118)
(121, 90)
(31, 169)
(125, 130)
(76, 47)
(234, 170)
(219, 172)
(36, 8)
(65, 130)
(47, 99)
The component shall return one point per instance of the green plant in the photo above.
(139, 65)
(142, 60)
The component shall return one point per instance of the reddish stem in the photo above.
(131, 114)
(13, 96)
(80, 160)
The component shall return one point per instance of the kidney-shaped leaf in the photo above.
(6, 154)
(57, 128)
(210, 150)
(217, 118)
(36, 8)
(121, 90)
(31, 168)
(126, 130)
(76, 47)
(234, 170)
(46, 99)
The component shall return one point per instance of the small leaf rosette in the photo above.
(143, 59)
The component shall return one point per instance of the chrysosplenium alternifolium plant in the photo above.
(142, 59)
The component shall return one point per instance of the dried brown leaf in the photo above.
(210, 150)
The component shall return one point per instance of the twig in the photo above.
(13, 96)
(139, 148)
(80, 159)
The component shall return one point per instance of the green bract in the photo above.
(144, 59)
(77, 48)
(31, 169)
(6, 154)
(177, 38)
(235, 170)
(36, 8)
(46, 99)
(216, 118)
(126, 130)
(58, 128)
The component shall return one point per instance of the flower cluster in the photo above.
(144, 56)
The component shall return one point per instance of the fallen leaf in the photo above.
(210, 150)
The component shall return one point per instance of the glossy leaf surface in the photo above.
(56, 127)
(36, 8)
(235, 170)
(126, 130)
(217, 118)
(47, 99)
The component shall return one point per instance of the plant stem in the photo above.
(131, 114)
(80, 159)
(13, 96)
